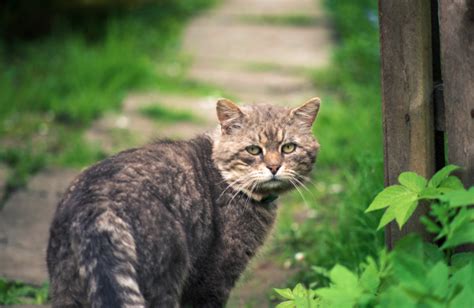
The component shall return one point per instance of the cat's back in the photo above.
(158, 168)
(162, 178)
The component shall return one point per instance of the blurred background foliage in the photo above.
(65, 63)
(349, 170)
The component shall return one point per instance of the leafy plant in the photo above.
(18, 293)
(450, 218)
(299, 296)
(415, 273)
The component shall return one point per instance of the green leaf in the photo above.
(441, 175)
(344, 289)
(451, 183)
(430, 225)
(404, 210)
(463, 235)
(369, 279)
(343, 277)
(410, 271)
(335, 297)
(412, 181)
(464, 279)
(285, 293)
(396, 296)
(387, 217)
(438, 279)
(388, 196)
(400, 211)
(286, 304)
(430, 193)
(299, 291)
(461, 259)
(458, 198)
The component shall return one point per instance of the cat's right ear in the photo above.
(229, 115)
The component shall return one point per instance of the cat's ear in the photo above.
(229, 115)
(306, 114)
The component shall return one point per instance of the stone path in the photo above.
(236, 47)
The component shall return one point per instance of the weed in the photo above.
(349, 169)
(163, 114)
(19, 293)
(294, 20)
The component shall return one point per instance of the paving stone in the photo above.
(265, 7)
(306, 47)
(257, 87)
(24, 225)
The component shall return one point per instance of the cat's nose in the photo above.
(273, 168)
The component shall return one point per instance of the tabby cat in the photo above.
(174, 223)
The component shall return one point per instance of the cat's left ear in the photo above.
(307, 113)
(229, 115)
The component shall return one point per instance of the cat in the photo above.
(174, 223)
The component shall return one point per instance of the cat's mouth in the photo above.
(274, 184)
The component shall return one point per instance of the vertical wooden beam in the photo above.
(407, 86)
(457, 54)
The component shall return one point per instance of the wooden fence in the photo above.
(427, 49)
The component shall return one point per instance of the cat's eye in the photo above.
(254, 149)
(288, 148)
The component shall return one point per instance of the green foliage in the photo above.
(24, 161)
(53, 87)
(298, 297)
(19, 293)
(295, 20)
(349, 169)
(453, 220)
(160, 113)
(415, 273)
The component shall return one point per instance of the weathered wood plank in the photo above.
(407, 85)
(457, 54)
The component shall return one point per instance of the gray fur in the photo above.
(174, 223)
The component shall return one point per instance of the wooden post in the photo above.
(407, 87)
(457, 57)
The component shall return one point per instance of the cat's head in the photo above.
(265, 149)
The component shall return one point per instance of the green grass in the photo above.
(52, 88)
(163, 114)
(294, 20)
(12, 293)
(349, 170)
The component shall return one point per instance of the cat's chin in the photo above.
(274, 187)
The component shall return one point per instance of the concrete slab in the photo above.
(24, 226)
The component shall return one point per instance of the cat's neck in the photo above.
(261, 198)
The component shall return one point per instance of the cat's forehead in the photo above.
(267, 124)
(266, 114)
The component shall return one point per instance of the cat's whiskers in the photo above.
(295, 176)
(233, 183)
(299, 191)
(252, 189)
(250, 179)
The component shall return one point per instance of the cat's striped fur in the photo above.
(174, 223)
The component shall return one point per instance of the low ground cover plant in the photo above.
(416, 273)
(53, 86)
